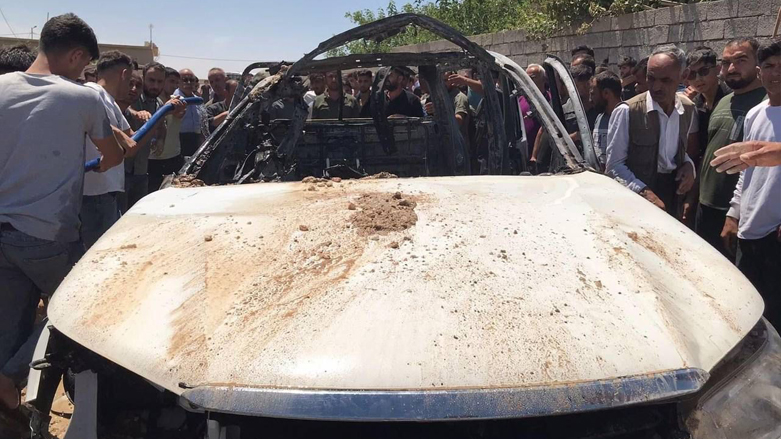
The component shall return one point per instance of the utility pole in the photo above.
(151, 26)
(31, 31)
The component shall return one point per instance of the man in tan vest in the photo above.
(648, 135)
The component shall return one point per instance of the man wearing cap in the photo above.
(401, 102)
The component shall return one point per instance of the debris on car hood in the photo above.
(429, 283)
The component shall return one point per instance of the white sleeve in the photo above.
(122, 123)
(618, 149)
(734, 204)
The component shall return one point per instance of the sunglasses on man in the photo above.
(189, 80)
(701, 72)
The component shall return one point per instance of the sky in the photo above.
(239, 30)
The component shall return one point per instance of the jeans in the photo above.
(760, 262)
(98, 214)
(29, 267)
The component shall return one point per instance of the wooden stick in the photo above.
(778, 22)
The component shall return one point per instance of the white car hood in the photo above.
(503, 282)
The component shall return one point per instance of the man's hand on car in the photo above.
(685, 178)
(649, 195)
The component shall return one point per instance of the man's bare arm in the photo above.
(739, 156)
(111, 151)
(219, 119)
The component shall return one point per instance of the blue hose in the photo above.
(161, 112)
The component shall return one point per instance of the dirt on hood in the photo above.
(381, 213)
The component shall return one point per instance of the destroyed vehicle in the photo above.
(277, 296)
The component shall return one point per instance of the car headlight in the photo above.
(743, 397)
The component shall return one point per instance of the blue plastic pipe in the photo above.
(161, 112)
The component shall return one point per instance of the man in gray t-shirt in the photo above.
(46, 117)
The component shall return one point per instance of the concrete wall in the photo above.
(142, 54)
(710, 24)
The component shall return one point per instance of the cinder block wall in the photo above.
(699, 24)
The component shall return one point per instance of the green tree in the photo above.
(538, 18)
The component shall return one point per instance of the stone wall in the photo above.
(699, 24)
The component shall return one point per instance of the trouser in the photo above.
(189, 142)
(29, 267)
(158, 169)
(760, 262)
(98, 214)
(665, 188)
(136, 188)
(709, 224)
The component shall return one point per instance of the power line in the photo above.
(207, 59)
(6, 22)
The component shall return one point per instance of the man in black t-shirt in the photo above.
(401, 102)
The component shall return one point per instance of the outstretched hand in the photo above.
(739, 156)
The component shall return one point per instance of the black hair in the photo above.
(66, 32)
(170, 71)
(403, 71)
(16, 58)
(627, 61)
(642, 66)
(316, 76)
(587, 60)
(582, 72)
(609, 81)
(583, 49)
(365, 72)
(742, 40)
(154, 65)
(767, 50)
(113, 59)
(601, 68)
(705, 55)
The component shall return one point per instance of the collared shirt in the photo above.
(618, 141)
(757, 199)
(325, 108)
(138, 164)
(192, 120)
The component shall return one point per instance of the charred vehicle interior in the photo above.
(251, 147)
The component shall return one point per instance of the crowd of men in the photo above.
(658, 126)
(661, 125)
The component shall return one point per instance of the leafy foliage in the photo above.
(472, 17)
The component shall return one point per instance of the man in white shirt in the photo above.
(754, 217)
(648, 135)
(99, 208)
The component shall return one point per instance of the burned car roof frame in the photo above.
(283, 84)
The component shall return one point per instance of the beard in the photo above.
(738, 83)
(391, 87)
(600, 107)
(152, 94)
